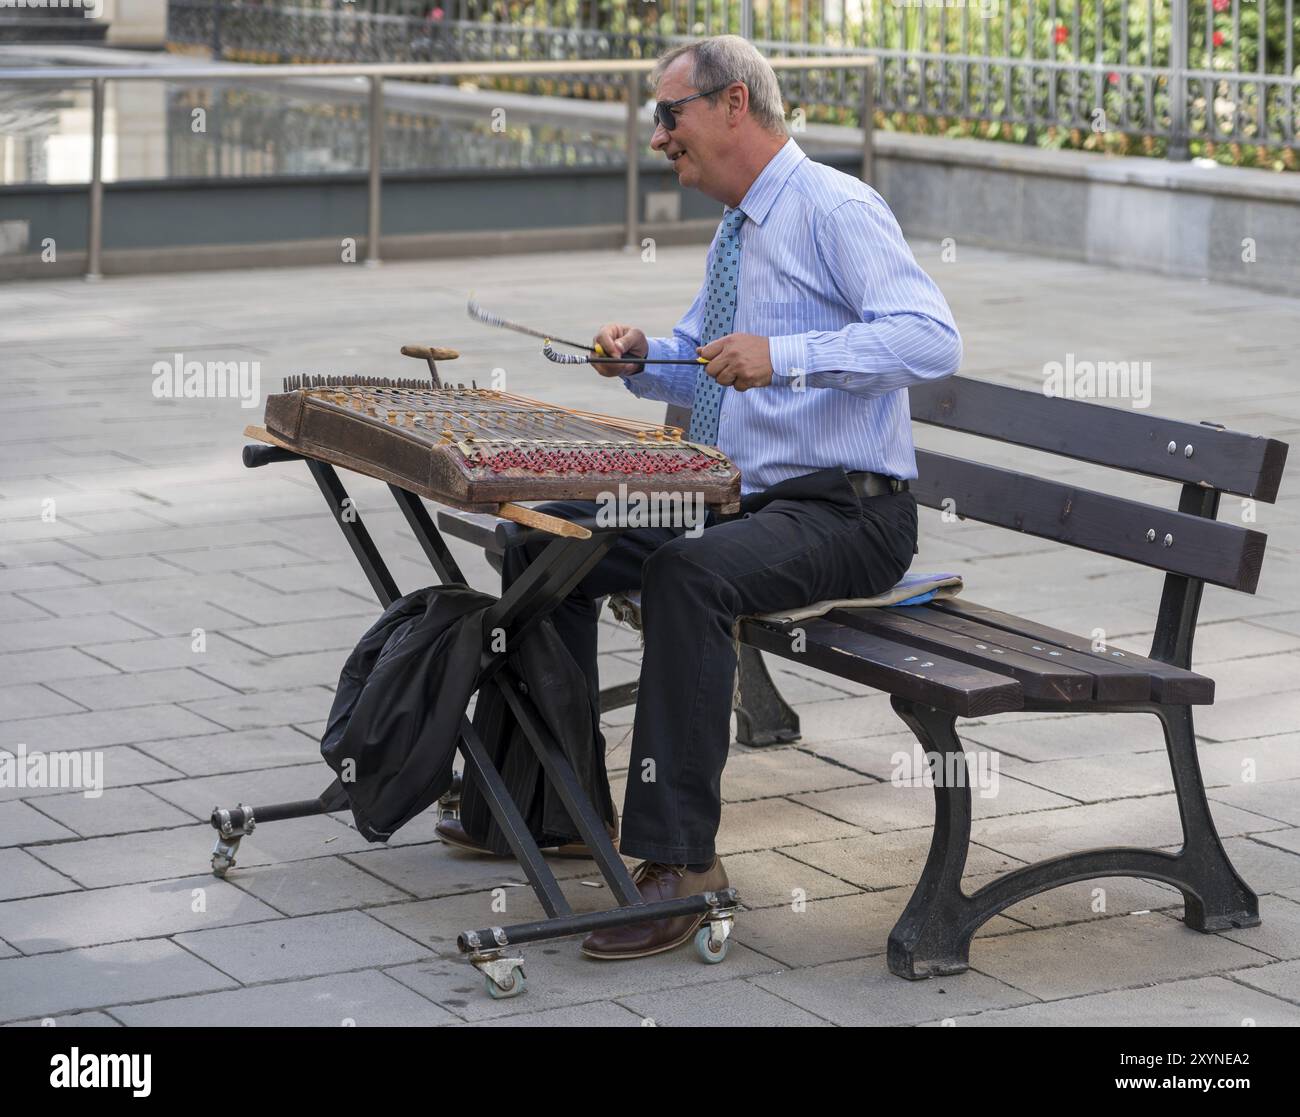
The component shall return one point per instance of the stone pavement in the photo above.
(183, 620)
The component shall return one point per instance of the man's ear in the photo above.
(737, 103)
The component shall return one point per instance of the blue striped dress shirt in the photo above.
(851, 319)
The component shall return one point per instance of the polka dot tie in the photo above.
(719, 318)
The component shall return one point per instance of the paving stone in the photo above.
(32, 701)
(1100, 898)
(847, 719)
(278, 672)
(765, 823)
(298, 636)
(310, 887)
(15, 608)
(120, 810)
(120, 765)
(1149, 822)
(68, 920)
(599, 1014)
(872, 756)
(50, 665)
(65, 631)
(1062, 738)
(1263, 866)
(1279, 800)
(137, 568)
(832, 930)
(1284, 839)
(301, 947)
(880, 807)
(49, 576)
(1203, 1002)
(162, 652)
(272, 707)
(163, 854)
(102, 728)
(779, 771)
(1126, 951)
(559, 975)
(766, 878)
(728, 1004)
(71, 1020)
(367, 999)
(877, 861)
(1239, 678)
(50, 984)
(1250, 716)
(434, 869)
(1281, 979)
(245, 751)
(1265, 758)
(862, 993)
(23, 875)
(199, 794)
(21, 824)
(1278, 934)
(144, 689)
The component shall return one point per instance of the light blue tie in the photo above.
(719, 318)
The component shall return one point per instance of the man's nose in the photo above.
(659, 140)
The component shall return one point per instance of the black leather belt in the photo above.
(876, 484)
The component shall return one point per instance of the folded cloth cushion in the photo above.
(914, 589)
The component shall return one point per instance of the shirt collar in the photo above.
(763, 191)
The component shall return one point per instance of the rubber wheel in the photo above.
(706, 950)
(505, 992)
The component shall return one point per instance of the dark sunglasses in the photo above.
(664, 114)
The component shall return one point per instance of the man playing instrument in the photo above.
(814, 318)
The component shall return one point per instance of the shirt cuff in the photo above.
(789, 358)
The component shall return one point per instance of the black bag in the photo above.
(394, 725)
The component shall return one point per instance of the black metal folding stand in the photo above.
(560, 566)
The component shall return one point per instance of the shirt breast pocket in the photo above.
(777, 318)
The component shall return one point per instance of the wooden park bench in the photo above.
(955, 659)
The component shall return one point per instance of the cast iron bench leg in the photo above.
(934, 933)
(763, 717)
(1215, 898)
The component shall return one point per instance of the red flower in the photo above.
(1222, 5)
(1062, 33)
(1113, 78)
(1218, 38)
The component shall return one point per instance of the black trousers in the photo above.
(806, 539)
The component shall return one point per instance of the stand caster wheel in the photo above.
(713, 940)
(508, 987)
(223, 857)
(502, 977)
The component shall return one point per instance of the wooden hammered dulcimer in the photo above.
(479, 449)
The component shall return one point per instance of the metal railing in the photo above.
(631, 72)
(1170, 74)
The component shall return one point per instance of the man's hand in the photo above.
(619, 341)
(740, 361)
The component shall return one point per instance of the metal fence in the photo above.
(632, 75)
(1177, 76)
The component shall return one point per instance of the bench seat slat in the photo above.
(887, 665)
(1113, 680)
(1042, 680)
(1170, 685)
(478, 528)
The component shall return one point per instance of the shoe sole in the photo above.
(663, 949)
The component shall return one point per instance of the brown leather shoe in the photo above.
(453, 834)
(657, 882)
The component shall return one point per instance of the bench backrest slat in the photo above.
(1221, 553)
(1121, 438)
